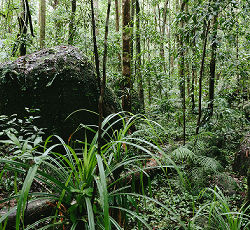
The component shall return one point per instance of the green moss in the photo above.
(57, 81)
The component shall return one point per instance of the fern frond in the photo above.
(209, 164)
(183, 154)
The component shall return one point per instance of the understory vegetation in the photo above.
(141, 181)
(162, 141)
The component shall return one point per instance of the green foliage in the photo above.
(198, 169)
(69, 172)
(218, 214)
(69, 177)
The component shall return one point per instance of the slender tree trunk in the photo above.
(42, 16)
(187, 54)
(117, 16)
(163, 30)
(194, 72)
(23, 27)
(117, 28)
(206, 30)
(149, 76)
(132, 38)
(23, 20)
(248, 186)
(72, 23)
(57, 23)
(103, 82)
(188, 78)
(193, 85)
(138, 57)
(213, 65)
(96, 7)
(126, 60)
(182, 75)
(97, 65)
(169, 43)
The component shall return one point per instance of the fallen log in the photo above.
(39, 209)
(34, 211)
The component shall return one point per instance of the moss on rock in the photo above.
(58, 81)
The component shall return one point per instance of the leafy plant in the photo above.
(68, 178)
(218, 214)
(197, 168)
(18, 132)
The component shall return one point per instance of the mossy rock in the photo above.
(58, 81)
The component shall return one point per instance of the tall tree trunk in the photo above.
(72, 23)
(42, 17)
(206, 30)
(187, 53)
(248, 186)
(149, 75)
(193, 85)
(132, 36)
(103, 82)
(97, 65)
(138, 57)
(23, 27)
(163, 30)
(213, 65)
(117, 15)
(194, 75)
(182, 75)
(96, 7)
(57, 22)
(169, 43)
(194, 72)
(23, 20)
(126, 60)
(117, 28)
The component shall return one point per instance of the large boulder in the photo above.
(57, 81)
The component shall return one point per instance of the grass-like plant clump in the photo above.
(117, 188)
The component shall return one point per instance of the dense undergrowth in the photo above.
(143, 179)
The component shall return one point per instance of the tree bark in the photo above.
(163, 30)
(182, 75)
(96, 7)
(206, 30)
(248, 186)
(99, 85)
(149, 76)
(117, 16)
(23, 26)
(193, 85)
(72, 23)
(169, 45)
(35, 210)
(138, 58)
(117, 28)
(42, 17)
(97, 65)
(132, 37)
(126, 60)
(103, 82)
(212, 66)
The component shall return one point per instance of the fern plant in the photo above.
(197, 168)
